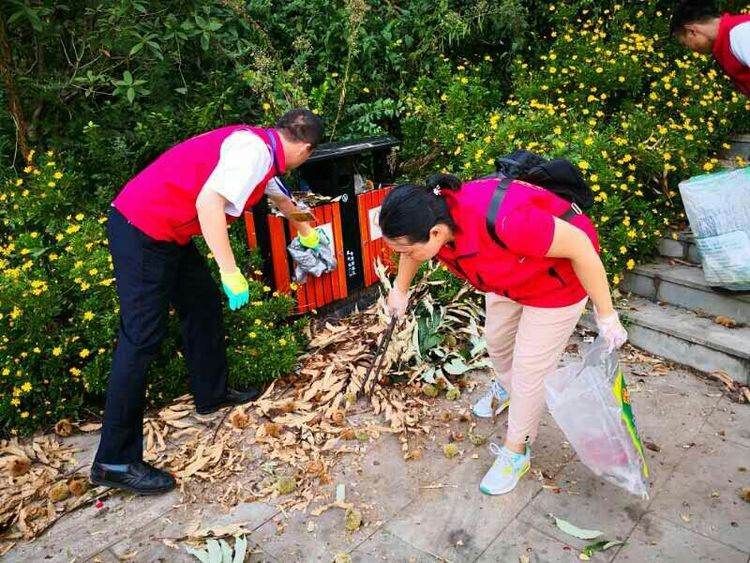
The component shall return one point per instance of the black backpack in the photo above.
(559, 176)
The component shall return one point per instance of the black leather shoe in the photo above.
(140, 478)
(230, 399)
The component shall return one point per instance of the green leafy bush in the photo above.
(59, 311)
(611, 92)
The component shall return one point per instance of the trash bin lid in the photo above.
(332, 151)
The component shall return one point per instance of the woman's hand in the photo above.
(611, 330)
(398, 301)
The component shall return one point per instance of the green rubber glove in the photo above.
(236, 288)
(310, 241)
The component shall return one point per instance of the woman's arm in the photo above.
(407, 270)
(572, 243)
(398, 298)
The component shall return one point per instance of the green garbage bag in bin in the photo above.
(718, 208)
(590, 403)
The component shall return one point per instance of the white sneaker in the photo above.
(506, 471)
(483, 407)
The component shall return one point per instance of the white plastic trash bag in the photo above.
(589, 401)
(718, 207)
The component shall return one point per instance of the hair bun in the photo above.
(443, 181)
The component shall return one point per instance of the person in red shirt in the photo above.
(538, 268)
(701, 28)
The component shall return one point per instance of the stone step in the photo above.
(685, 338)
(684, 286)
(683, 248)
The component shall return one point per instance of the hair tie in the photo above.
(437, 190)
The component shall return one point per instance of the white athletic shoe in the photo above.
(506, 471)
(483, 407)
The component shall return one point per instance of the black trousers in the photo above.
(149, 276)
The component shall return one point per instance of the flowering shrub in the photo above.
(59, 311)
(610, 91)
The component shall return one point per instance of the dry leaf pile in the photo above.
(41, 481)
(285, 444)
(313, 418)
(189, 446)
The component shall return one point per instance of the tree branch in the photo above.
(14, 102)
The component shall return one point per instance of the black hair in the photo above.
(412, 210)
(691, 11)
(301, 125)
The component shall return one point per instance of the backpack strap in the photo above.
(497, 199)
(571, 212)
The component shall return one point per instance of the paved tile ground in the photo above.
(432, 510)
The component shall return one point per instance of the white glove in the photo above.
(397, 302)
(611, 330)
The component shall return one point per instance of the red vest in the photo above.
(722, 52)
(160, 200)
(476, 258)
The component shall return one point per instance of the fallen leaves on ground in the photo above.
(575, 531)
(727, 322)
(41, 482)
(737, 392)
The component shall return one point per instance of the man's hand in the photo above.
(236, 288)
(312, 240)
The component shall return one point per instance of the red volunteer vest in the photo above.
(476, 258)
(160, 200)
(722, 52)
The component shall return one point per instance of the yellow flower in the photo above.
(25, 414)
(583, 165)
(26, 387)
(266, 106)
(75, 371)
(266, 288)
(282, 341)
(252, 335)
(85, 353)
(631, 264)
(57, 175)
(88, 315)
(56, 351)
(80, 216)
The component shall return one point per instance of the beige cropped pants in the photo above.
(525, 345)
